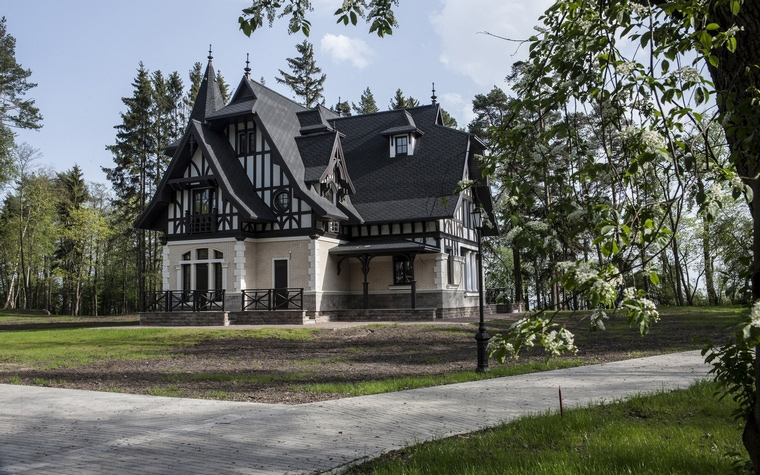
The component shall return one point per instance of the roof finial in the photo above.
(247, 67)
(210, 57)
(434, 97)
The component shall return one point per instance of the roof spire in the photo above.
(247, 67)
(434, 97)
(210, 57)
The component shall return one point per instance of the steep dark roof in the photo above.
(209, 98)
(276, 116)
(228, 172)
(420, 186)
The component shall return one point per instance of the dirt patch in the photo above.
(274, 370)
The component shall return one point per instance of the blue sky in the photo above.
(84, 55)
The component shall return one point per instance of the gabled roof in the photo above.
(228, 173)
(276, 116)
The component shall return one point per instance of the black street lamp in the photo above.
(482, 335)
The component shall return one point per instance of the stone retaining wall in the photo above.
(301, 317)
(171, 319)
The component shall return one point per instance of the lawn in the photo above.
(679, 432)
(295, 365)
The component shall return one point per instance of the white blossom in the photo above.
(626, 68)
(716, 191)
(687, 74)
(597, 319)
(652, 140)
(537, 226)
(512, 234)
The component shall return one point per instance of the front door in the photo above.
(281, 283)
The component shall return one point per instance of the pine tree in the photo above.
(448, 121)
(367, 104)
(196, 76)
(306, 81)
(400, 102)
(343, 108)
(69, 253)
(15, 111)
(135, 147)
(224, 88)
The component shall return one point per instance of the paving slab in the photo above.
(59, 431)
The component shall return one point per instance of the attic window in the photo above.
(282, 201)
(402, 144)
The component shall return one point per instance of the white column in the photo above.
(239, 271)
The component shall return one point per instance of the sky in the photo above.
(84, 56)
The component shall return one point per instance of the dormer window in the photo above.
(402, 144)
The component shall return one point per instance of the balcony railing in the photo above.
(272, 299)
(200, 223)
(183, 300)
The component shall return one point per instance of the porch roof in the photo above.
(378, 247)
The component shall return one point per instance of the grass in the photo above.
(364, 388)
(679, 432)
(49, 349)
(167, 391)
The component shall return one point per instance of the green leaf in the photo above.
(735, 6)
(712, 26)
(706, 39)
(713, 60)
(654, 278)
(731, 44)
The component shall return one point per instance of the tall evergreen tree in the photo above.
(224, 88)
(367, 104)
(307, 80)
(343, 108)
(15, 111)
(135, 146)
(69, 253)
(398, 101)
(196, 75)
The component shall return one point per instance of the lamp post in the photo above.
(482, 335)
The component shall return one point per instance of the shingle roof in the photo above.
(209, 98)
(420, 186)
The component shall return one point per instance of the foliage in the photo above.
(378, 13)
(398, 101)
(306, 81)
(15, 110)
(367, 104)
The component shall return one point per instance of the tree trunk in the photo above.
(518, 279)
(712, 297)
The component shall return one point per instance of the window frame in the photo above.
(405, 145)
(403, 273)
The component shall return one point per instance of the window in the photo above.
(402, 144)
(402, 270)
(242, 144)
(282, 201)
(333, 227)
(186, 256)
(203, 201)
(251, 142)
(202, 254)
(218, 254)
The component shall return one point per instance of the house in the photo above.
(272, 212)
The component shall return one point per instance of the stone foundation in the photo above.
(178, 319)
(302, 317)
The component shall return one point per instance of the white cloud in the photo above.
(485, 59)
(458, 107)
(342, 48)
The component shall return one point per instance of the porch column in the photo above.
(365, 259)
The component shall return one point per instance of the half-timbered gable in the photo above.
(266, 203)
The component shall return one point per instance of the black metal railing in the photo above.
(497, 295)
(200, 223)
(272, 299)
(183, 300)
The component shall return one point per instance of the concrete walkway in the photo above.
(63, 431)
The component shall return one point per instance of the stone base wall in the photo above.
(172, 319)
(301, 317)
(377, 315)
(276, 317)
